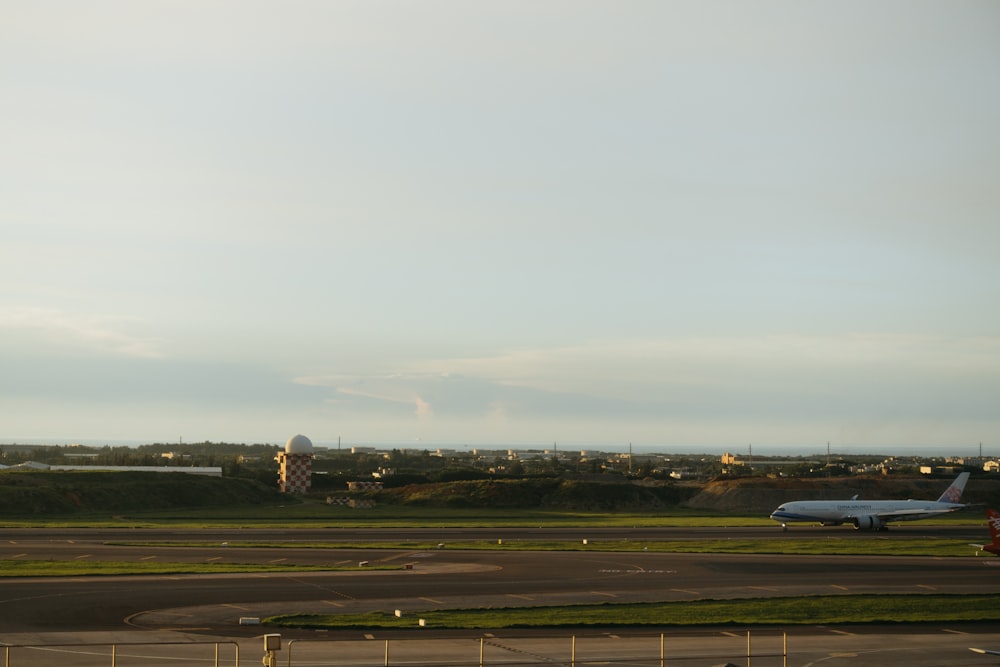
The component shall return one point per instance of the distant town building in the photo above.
(211, 471)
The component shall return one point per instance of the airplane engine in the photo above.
(867, 522)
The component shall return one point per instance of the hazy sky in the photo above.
(704, 222)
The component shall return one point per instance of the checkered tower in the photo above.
(295, 465)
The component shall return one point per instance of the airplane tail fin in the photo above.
(993, 520)
(954, 492)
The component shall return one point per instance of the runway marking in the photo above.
(368, 636)
(684, 590)
(236, 606)
(333, 603)
(209, 560)
(18, 555)
(520, 597)
(82, 556)
(607, 595)
(954, 632)
(842, 632)
(930, 588)
(432, 600)
(277, 560)
(842, 588)
(613, 636)
(147, 558)
(763, 588)
(729, 634)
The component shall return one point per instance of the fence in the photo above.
(765, 649)
(121, 654)
(610, 650)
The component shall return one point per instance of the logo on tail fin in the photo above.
(993, 519)
(954, 492)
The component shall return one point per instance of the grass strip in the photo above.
(320, 515)
(809, 610)
(55, 568)
(840, 546)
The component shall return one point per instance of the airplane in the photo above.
(993, 521)
(984, 651)
(870, 514)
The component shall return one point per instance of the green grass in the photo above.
(316, 514)
(810, 610)
(320, 515)
(843, 546)
(55, 568)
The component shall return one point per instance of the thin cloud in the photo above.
(393, 395)
(74, 331)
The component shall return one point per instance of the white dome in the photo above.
(299, 444)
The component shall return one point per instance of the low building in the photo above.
(211, 471)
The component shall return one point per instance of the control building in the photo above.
(295, 465)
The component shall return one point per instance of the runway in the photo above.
(47, 610)
(431, 578)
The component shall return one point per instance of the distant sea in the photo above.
(636, 448)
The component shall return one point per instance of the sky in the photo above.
(719, 224)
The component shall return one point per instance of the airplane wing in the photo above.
(909, 515)
(984, 651)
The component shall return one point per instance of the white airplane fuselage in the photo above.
(862, 513)
(870, 514)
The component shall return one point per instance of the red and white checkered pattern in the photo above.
(294, 473)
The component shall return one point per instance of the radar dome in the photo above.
(299, 444)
